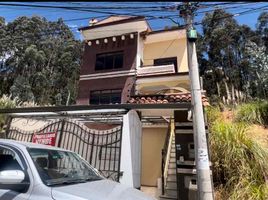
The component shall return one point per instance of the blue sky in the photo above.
(52, 14)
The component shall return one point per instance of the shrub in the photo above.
(212, 114)
(253, 113)
(239, 162)
(6, 102)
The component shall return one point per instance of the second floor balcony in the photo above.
(153, 70)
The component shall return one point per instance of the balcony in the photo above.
(155, 70)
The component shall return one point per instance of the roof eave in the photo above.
(112, 23)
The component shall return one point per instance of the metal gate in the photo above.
(102, 149)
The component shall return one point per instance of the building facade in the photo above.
(124, 58)
(126, 62)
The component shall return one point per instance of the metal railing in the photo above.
(101, 148)
(164, 156)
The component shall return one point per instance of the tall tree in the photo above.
(228, 61)
(258, 73)
(262, 28)
(44, 56)
(220, 32)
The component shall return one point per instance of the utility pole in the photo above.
(204, 182)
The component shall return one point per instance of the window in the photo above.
(166, 61)
(109, 60)
(57, 167)
(12, 159)
(105, 96)
(9, 160)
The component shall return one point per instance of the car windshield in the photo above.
(57, 167)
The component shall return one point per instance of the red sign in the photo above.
(45, 138)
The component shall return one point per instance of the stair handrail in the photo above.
(165, 154)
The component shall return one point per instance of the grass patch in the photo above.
(253, 113)
(239, 162)
(213, 114)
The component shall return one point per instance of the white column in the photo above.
(130, 163)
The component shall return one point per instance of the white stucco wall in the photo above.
(131, 150)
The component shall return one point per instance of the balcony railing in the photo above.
(155, 70)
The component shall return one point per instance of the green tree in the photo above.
(44, 56)
(262, 28)
(258, 73)
(224, 60)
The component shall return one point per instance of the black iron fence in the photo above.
(101, 148)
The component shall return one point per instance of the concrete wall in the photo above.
(169, 48)
(129, 47)
(152, 143)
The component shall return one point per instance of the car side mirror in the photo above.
(11, 176)
(13, 180)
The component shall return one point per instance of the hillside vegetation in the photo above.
(239, 151)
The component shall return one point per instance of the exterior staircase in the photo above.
(171, 179)
(180, 178)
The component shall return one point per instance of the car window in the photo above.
(58, 167)
(9, 160)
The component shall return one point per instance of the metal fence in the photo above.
(102, 149)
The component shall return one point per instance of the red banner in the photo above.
(45, 138)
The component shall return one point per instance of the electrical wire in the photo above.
(170, 18)
(236, 14)
(82, 9)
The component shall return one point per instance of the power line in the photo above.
(87, 9)
(226, 8)
(165, 17)
(236, 14)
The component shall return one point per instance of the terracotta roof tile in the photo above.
(161, 99)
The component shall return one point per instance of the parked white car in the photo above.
(40, 172)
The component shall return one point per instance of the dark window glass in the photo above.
(56, 167)
(109, 61)
(105, 99)
(166, 61)
(105, 96)
(118, 62)
(100, 63)
(8, 160)
(94, 99)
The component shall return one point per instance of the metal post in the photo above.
(8, 124)
(204, 183)
(61, 132)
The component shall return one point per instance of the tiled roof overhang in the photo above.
(165, 99)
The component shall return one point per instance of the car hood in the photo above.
(98, 190)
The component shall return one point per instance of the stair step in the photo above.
(163, 197)
(171, 184)
(172, 159)
(172, 154)
(172, 150)
(171, 171)
(184, 124)
(172, 165)
(181, 124)
(171, 192)
(171, 177)
(186, 131)
(171, 187)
